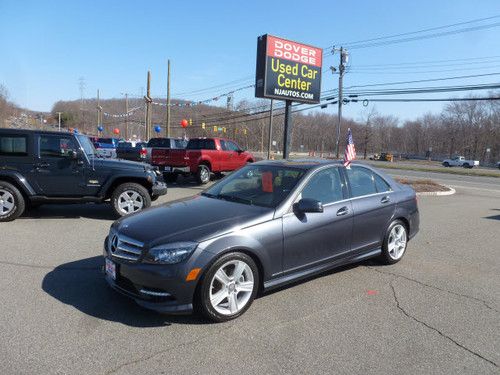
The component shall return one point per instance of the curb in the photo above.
(451, 191)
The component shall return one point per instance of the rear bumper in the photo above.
(158, 189)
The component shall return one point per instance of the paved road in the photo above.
(435, 312)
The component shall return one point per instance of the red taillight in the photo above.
(143, 153)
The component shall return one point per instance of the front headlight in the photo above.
(171, 253)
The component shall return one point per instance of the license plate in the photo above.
(110, 268)
(167, 169)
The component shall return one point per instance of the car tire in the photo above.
(129, 198)
(395, 242)
(220, 301)
(466, 165)
(12, 204)
(446, 164)
(170, 177)
(203, 174)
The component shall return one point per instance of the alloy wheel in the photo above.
(7, 202)
(205, 175)
(130, 201)
(397, 242)
(231, 287)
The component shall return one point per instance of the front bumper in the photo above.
(162, 288)
(159, 188)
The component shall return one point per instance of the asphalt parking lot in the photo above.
(435, 312)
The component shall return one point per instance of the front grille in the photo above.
(123, 247)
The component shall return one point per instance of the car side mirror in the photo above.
(308, 205)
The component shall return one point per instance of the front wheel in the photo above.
(12, 202)
(228, 288)
(129, 198)
(395, 242)
(446, 164)
(203, 174)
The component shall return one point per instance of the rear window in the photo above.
(159, 142)
(124, 144)
(201, 144)
(13, 145)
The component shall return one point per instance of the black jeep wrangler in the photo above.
(39, 167)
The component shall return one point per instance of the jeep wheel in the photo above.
(129, 198)
(203, 174)
(12, 203)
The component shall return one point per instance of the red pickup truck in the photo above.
(201, 157)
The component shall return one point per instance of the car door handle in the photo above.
(385, 199)
(343, 211)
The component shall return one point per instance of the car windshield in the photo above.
(88, 147)
(259, 185)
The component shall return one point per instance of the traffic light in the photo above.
(203, 125)
(223, 130)
(190, 121)
(245, 131)
(215, 129)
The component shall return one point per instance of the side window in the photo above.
(361, 181)
(13, 145)
(381, 184)
(325, 186)
(223, 145)
(232, 146)
(210, 144)
(56, 146)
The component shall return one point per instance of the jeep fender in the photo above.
(18, 180)
(118, 179)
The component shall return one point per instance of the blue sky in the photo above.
(46, 46)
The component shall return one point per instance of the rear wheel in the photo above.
(395, 242)
(228, 288)
(12, 202)
(203, 174)
(466, 165)
(129, 198)
(446, 164)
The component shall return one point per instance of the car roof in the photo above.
(34, 131)
(309, 164)
(300, 163)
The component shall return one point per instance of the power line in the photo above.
(383, 39)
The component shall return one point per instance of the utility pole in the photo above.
(148, 100)
(168, 99)
(99, 111)
(270, 131)
(126, 117)
(59, 114)
(343, 62)
(81, 84)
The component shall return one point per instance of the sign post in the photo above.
(289, 71)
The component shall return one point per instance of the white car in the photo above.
(460, 161)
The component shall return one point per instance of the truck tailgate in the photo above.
(168, 157)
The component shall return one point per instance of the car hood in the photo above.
(196, 219)
(119, 164)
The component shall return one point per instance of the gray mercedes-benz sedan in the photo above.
(265, 225)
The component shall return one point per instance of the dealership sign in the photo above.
(288, 70)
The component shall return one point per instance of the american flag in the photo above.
(350, 150)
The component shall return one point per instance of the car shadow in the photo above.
(81, 284)
(71, 211)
